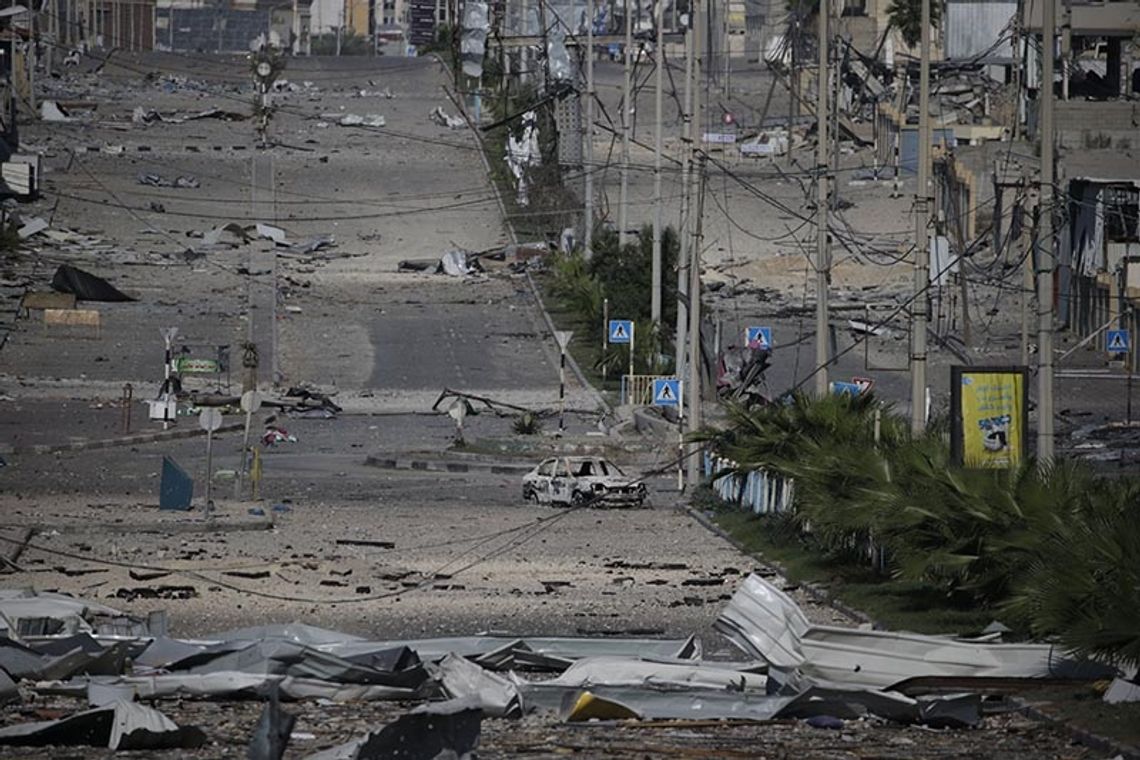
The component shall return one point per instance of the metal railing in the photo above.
(758, 491)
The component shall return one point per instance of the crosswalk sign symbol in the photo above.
(759, 337)
(621, 331)
(1118, 341)
(667, 392)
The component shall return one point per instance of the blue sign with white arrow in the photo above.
(667, 392)
(621, 331)
(759, 337)
(1118, 341)
(840, 388)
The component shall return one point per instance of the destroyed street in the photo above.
(470, 380)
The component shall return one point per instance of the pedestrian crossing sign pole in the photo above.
(621, 331)
(1119, 342)
(758, 337)
(669, 391)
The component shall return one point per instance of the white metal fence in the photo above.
(758, 491)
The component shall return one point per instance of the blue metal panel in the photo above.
(908, 150)
(177, 488)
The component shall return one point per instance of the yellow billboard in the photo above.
(989, 407)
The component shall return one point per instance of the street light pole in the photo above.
(588, 222)
(922, 238)
(1046, 250)
(655, 296)
(626, 111)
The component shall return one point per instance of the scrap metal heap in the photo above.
(60, 647)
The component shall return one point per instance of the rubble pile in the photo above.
(107, 663)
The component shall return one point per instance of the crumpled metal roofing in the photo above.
(765, 622)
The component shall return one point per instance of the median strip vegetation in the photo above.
(1052, 552)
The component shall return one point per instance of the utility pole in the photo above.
(626, 110)
(655, 297)
(822, 252)
(922, 239)
(696, 197)
(680, 335)
(1045, 252)
(588, 225)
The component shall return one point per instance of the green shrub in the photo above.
(1055, 550)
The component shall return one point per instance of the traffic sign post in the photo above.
(210, 419)
(1120, 342)
(250, 403)
(621, 331)
(563, 337)
(758, 337)
(669, 391)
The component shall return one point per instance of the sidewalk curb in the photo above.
(1087, 738)
(817, 594)
(428, 465)
(127, 440)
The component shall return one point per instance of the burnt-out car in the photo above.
(582, 480)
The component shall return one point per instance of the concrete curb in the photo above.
(126, 440)
(1095, 741)
(433, 465)
(817, 594)
(649, 424)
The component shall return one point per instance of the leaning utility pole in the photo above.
(822, 253)
(1046, 251)
(922, 239)
(626, 112)
(588, 223)
(655, 280)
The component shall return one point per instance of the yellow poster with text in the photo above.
(993, 426)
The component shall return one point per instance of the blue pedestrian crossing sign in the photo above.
(667, 392)
(1118, 341)
(840, 388)
(621, 331)
(759, 337)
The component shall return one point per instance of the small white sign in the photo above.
(210, 419)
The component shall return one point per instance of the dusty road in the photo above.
(453, 553)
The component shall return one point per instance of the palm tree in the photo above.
(906, 16)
